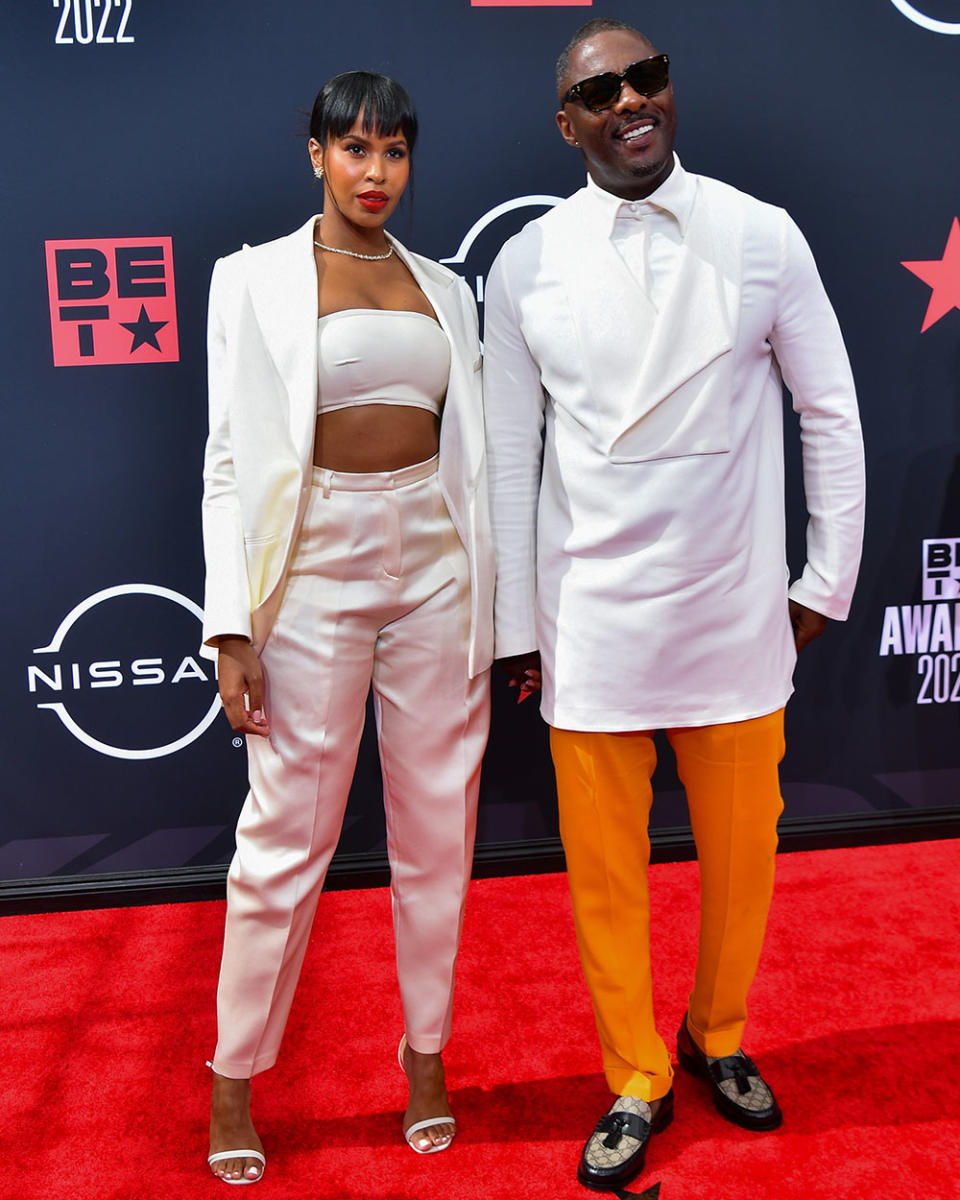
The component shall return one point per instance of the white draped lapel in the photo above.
(631, 376)
(283, 291)
(605, 300)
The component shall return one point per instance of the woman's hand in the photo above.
(240, 675)
(523, 672)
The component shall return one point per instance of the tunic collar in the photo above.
(674, 196)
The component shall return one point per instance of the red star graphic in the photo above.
(943, 275)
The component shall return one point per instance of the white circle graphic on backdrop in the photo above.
(58, 707)
(919, 18)
(484, 239)
(494, 214)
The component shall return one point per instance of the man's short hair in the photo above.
(597, 25)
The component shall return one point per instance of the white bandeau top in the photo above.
(381, 356)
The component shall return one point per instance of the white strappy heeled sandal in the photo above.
(225, 1154)
(415, 1128)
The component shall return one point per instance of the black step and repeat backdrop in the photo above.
(144, 139)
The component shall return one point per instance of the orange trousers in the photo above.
(730, 773)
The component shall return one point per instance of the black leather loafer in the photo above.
(738, 1089)
(615, 1151)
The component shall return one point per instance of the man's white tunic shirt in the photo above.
(632, 378)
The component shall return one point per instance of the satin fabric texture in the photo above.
(263, 371)
(730, 773)
(377, 592)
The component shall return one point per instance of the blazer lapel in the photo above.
(283, 291)
(461, 430)
(436, 285)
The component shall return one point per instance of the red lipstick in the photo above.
(373, 201)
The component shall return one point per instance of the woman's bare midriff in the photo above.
(375, 437)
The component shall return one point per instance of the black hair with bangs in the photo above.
(385, 105)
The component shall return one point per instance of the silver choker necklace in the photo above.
(355, 253)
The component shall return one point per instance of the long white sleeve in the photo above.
(514, 416)
(809, 348)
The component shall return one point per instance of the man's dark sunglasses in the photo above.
(648, 76)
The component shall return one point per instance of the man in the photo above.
(635, 340)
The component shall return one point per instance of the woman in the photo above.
(347, 542)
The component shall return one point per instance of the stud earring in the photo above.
(318, 171)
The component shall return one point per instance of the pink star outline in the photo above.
(943, 276)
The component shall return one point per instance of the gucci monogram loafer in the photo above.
(739, 1091)
(615, 1151)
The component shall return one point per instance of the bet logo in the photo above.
(122, 676)
(112, 300)
(929, 632)
(941, 569)
(914, 14)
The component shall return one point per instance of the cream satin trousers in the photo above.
(378, 592)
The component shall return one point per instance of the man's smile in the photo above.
(636, 127)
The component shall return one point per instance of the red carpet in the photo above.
(108, 1015)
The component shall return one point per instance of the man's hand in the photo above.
(523, 672)
(806, 623)
(240, 675)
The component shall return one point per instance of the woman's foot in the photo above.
(231, 1128)
(428, 1098)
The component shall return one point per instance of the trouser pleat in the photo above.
(377, 592)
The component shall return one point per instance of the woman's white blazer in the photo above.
(262, 355)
